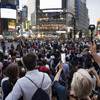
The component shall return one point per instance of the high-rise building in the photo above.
(8, 17)
(82, 15)
(70, 7)
(46, 22)
(32, 11)
(69, 18)
(54, 22)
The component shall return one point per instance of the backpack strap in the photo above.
(42, 80)
(31, 81)
(34, 83)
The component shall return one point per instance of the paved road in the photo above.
(8, 44)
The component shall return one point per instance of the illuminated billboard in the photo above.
(52, 4)
(11, 25)
(8, 13)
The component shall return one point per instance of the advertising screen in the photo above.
(11, 25)
(50, 4)
(8, 13)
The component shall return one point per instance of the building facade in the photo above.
(45, 22)
(8, 17)
(55, 22)
(70, 8)
(82, 15)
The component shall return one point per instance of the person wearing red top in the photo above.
(45, 69)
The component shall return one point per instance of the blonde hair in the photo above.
(82, 83)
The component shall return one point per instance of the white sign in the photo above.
(52, 10)
(50, 4)
(60, 31)
(8, 13)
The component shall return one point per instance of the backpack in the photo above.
(40, 94)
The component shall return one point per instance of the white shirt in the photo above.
(24, 87)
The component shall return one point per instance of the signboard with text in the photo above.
(11, 25)
(8, 13)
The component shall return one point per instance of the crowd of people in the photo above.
(34, 71)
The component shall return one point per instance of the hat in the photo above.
(45, 69)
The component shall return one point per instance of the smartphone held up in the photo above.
(63, 57)
(92, 28)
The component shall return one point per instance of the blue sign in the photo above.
(7, 5)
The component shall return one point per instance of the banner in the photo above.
(11, 25)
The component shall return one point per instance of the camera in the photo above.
(92, 27)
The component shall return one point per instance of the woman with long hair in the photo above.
(12, 72)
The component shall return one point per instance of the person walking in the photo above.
(3, 46)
